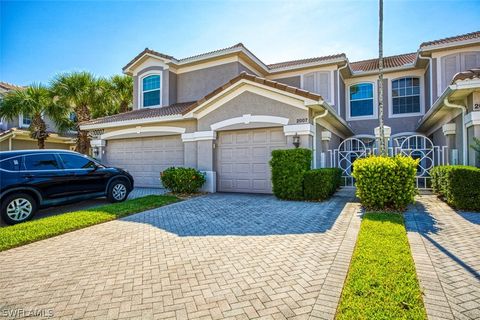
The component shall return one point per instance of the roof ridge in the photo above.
(237, 45)
(342, 54)
(475, 34)
(393, 56)
(8, 84)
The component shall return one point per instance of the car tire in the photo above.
(17, 208)
(118, 190)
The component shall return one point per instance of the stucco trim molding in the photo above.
(326, 135)
(139, 129)
(300, 129)
(472, 119)
(449, 128)
(248, 118)
(198, 136)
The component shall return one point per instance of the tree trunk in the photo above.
(382, 146)
(123, 106)
(83, 140)
(38, 130)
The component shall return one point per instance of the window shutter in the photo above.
(309, 82)
(323, 85)
(471, 60)
(451, 66)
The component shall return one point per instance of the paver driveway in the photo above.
(216, 256)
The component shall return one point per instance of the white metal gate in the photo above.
(416, 146)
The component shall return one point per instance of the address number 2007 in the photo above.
(302, 120)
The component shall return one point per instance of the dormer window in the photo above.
(25, 121)
(151, 91)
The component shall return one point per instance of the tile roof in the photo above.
(257, 79)
(238, 45)
(305, 61)
(144, 113)
(388, 62)
(9, 86)
(149, 51)
(184, 108)
(468, 74)
(463, 37)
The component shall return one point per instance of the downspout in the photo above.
(338, 87)
(464, 133)
(315, 136)
(430, 84)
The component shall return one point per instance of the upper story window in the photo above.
(25, 121)
(406, 95)
(72, 116)
(361, 100)
(151, 90)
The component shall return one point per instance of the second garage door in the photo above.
(145, 158)
(243, 156)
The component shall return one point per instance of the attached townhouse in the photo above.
(223, 112)
(14, 134)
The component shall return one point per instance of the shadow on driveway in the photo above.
(223, 214)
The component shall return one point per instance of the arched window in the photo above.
(406, 95)
(151, 90)
(361, 100)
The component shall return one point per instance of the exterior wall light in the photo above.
(296, 140)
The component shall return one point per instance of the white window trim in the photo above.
(375, 98)
(390, 98)
(20, 122)
(140, 88)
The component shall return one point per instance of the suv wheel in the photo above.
(118, 191)
(18, 208)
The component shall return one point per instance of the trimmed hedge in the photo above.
(320, 184)
(459, 185)
(182, 180)
(385, 182)
(288, 167)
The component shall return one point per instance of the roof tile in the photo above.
(305, 61)
(462, 37)
(467, 75)
(388, 62)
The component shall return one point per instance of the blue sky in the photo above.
(42, 38)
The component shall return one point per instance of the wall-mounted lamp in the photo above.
(296, 140)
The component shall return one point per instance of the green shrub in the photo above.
(385, 182)
(320, 184)
(459, 185)
(182, 180)
(288, 167)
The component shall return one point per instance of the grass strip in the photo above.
(31, 231)
(382, 282)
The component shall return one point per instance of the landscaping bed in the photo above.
(382, 282)
(31, 231)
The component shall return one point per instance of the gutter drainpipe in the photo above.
(315, 136)
(464, 133)
(338, 87)
(431, 76)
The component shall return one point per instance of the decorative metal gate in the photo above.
(416, 146)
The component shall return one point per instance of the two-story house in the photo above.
(14, 135)
(224, 111)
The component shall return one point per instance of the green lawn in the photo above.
(381, 282)
(31, 231)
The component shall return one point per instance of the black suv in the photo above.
(30, 179)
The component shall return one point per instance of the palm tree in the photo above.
(80, 92)
(382, 146)
(122, 88)
(35, 101)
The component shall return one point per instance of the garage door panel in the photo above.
(145, 158)
(243, 156)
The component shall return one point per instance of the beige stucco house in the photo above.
(14, 135)
(223, 112)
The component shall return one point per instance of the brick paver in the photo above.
(445, 246)
(212, 257)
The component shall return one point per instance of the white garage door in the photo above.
(145, 158)
(243, 156)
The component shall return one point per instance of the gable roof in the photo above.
(462, 37)
(181, 109)
(390, 62)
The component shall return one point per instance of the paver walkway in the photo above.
(446, 249)
(212, 257)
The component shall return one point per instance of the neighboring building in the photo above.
(224, 111)
(14, 135)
